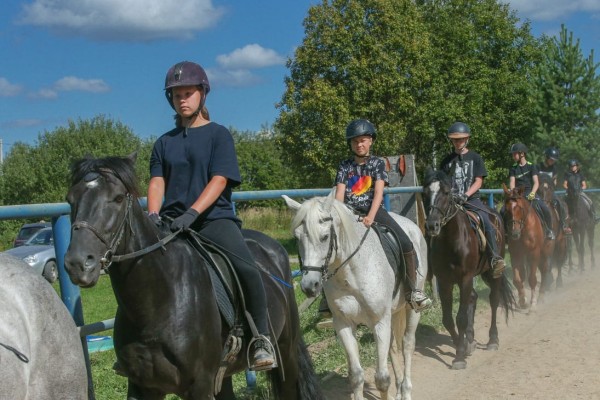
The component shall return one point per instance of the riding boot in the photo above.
(263, 357)
(548, 223)
(417, 299)
(496, 261)
(326, 320)
(562, 217)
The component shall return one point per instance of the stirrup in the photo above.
(258, 344)
(550, 235)
(418, 300)
(498, 266)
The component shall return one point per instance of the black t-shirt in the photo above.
(523, 175)
(574, 180)
(549, 170)
(188, 161)
(463, 170)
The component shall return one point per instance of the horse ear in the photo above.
(132, 157)
(506, 191)
(291, 203)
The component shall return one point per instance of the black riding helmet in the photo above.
(185, 73)
(552, 153)
(518, 148)
(458, 130)
(573, 162)
(360, 127)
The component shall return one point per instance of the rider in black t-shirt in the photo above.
(467, 171)
(524, 173)
(574, 181)
(548, 167)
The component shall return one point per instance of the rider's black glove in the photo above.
(184, 220)
(460, 198)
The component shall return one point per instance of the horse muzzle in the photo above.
(84, 270)
(433, 228)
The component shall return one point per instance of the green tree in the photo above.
(412, 68)
(566, 93)
(359, 59)
(40, 174)
(261, 163)
(484, 58)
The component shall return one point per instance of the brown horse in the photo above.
(528, 248)
(457, 257)
(559, 257)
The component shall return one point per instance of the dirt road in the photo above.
(551, 354)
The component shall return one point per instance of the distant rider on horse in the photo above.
(467, 171)
(574, 182)
(548, 167)
(524, 173)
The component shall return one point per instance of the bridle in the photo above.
(111, 244)
(447, 214)
(520, 223)
(333, 246)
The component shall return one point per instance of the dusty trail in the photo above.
(551, 354)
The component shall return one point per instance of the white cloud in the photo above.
(547, 10)
(45, 93)
(72, 83)
(128, 20)
(8, 89)
(234, 77)
(250, 56)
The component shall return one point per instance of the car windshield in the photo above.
(25, 233)
(43, 236)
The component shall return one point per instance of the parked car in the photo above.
(38, 252)
(27, 231)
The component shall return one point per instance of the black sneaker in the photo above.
(498, 266)
(263, 357)
(550, 235)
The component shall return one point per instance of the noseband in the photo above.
(113, 243)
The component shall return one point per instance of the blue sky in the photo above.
(70, 59)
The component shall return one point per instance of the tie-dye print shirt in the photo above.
(360, 181)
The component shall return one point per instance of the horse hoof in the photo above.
(459, 364)
(492, 346)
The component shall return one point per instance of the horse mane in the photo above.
(436, 175)
(313, 211)
(120, 167)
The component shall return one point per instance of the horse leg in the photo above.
(135, 392)
(470, 330)
(518, 273)
(382, 332)
(404, 327)
(494, 342)
(534, 261)
(356, 374)
(226, 392)
(591, 245)
(462, 321)
(447, 319)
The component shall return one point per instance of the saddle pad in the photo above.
(391, 248)
(222, 276)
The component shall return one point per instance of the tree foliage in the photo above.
(261, 163)
(412, 68)
(40, 173)
(566, 93)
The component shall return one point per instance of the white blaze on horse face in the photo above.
(434, 188)
(92, 184)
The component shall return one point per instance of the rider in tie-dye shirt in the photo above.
(359, 183)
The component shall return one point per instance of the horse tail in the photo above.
(309, 387)
(508, 301)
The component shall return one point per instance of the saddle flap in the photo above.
(391, 248)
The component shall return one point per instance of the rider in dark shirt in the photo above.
(574, 181)
(548, 167)
(525, 174)
(467, 171)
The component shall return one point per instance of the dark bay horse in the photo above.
(582, 224)
(457, 257)
(169, 335)
(40, 349)
(559, 256)
(528, 247)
